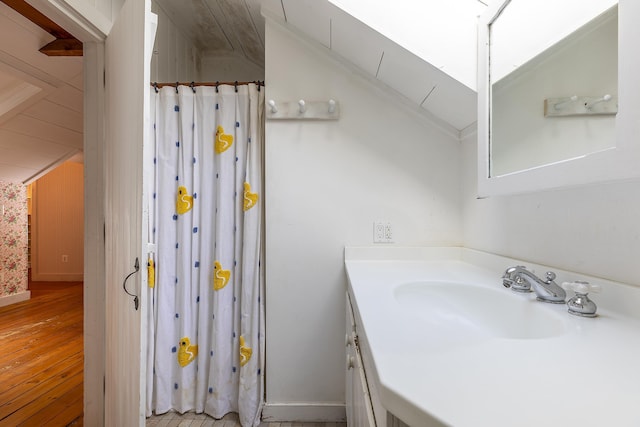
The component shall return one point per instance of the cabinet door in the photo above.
(358, 401)
(349, 384)
(362, 409)
(350, 363)
(127, 57)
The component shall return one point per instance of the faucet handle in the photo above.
(581, 287)
(580, 304)
(551, 276)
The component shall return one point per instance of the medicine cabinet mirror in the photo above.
(549, 110)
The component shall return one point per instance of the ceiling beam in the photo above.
(64, 45)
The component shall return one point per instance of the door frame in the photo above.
(90, 27)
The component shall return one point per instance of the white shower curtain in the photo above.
(206, 337)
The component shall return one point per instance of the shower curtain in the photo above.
(206, 316)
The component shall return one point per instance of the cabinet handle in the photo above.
(350, 361)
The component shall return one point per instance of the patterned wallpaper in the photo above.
(13, 239)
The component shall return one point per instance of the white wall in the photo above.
(326, 182)
(593, 229)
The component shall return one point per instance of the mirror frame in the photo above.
(621, 162)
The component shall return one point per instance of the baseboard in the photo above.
(57, 277)
(12, 299)
(303, 412)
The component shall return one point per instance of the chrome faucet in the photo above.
(520, 279)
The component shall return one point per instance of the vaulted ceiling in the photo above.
(41, 97)
(41, 101)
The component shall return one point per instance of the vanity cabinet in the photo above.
(363, 405)
(358, 400)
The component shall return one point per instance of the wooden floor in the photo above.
(41, 365)
(41, 362)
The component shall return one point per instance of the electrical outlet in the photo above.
(382, 232)
(388, 233)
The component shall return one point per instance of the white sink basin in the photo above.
(478, 311)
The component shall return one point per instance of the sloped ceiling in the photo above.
(41, 101)
(438, 85)
(221, 27)
(430, 62)
(41, 97)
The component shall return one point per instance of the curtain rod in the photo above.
(156, 86)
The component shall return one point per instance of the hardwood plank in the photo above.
(66, 410)
(43, 393)
(46, 404)
(42, 380)
(35, 379)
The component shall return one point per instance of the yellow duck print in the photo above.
(220, 276)
(184, 202)
(223, 140)
(187, 352)
(151, 273)
(250, 199)
(245, 352)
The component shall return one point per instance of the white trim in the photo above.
(614, 164)
(78, 17)
(304, 412)
(58, 277)
(12, 299)
(51, 167)
(94, 254)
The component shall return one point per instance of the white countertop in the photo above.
(588, 376)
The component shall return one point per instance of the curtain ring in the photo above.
(155, 86)
(217, 84)
(236, 86)
(193, 87)
(177, 84)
